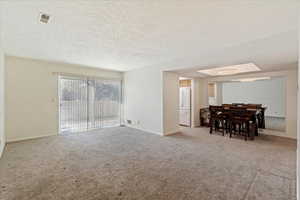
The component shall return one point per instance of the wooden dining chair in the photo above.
(217, 119)
(240, 119)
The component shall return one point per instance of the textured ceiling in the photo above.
(128, 34)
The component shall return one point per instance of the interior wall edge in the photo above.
(170, 101)
(2, 87)
(298, 116)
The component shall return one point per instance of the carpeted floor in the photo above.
(124, 163)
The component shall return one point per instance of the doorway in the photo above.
(88, 103)
(185, 98)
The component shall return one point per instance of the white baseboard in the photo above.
(29, 138)
(156, 133)
(145, 130)
(171, 133)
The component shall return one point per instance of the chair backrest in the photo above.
(215, 107)
(226, 106)
(235, 111)
(254, 106)
(214, 110)
(238, 104)
(238, 108)
(242, 114)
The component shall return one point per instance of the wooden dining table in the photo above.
(256, 112)
(258, 108)
(260, 112)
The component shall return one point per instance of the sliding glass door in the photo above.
(86, 103)
(104, 103)
(73, 105)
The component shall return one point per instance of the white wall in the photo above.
(291, 104)
(298, 132)
(2, 135)
(219, 93)
(143, 99)
(2, 108)
(270, 93)
(291, 96)
(31, 95)
(2, 78)
(217, 99)
(298, 119)
(198, 100)
(170, 103)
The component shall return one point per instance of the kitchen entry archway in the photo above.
(88, 103)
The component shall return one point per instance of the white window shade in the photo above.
(87, 103)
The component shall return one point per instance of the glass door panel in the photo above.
(89, 104)
(73, 105)
(105, 102)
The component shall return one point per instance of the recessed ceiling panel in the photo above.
(230, 70)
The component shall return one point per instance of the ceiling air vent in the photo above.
(44, 18)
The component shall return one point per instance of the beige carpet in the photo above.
(124, 163)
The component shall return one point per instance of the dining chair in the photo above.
(217, 119)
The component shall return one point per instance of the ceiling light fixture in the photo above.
(251, 79)
(230, 70)
(44, 18)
